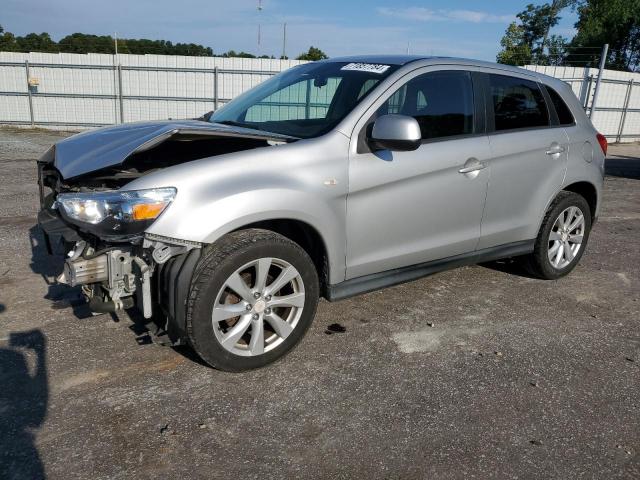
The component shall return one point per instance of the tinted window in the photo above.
(564, 114)
(517, 103)
(441, 102)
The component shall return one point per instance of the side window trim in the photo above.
(481, 99)
(551, 108)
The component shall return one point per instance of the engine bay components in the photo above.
(118, 277)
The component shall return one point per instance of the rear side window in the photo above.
(517, 103)
(564, 114)
(441, 102)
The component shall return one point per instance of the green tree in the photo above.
(84, 43)
(233, 53)
(7, 41)
(515, 51)
(556, 7)
(616, 22)
(34, 42)
(314, 54)
(529, 38)
(557, 48)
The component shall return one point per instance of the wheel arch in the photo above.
(585, 189)
(589, 192)
(305, 235)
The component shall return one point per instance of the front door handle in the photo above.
(474, 167)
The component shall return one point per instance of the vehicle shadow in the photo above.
(49, 267)
(508, 265)
(151, 331)
(24, 398)
(622, 166)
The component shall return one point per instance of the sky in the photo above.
(462, 28)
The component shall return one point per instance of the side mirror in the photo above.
(396, 132)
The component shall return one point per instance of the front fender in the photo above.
(207, 221)
(304, 181)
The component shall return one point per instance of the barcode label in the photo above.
(366, 67)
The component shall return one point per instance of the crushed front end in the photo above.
(88, 213)
(100, 228)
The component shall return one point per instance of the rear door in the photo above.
(529, 159)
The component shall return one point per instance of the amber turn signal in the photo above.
(147, 211)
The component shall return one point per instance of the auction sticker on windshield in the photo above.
(366, 67)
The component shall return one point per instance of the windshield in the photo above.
(305, 101)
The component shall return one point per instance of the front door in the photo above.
(405, 208)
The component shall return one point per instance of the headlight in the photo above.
(115, 212)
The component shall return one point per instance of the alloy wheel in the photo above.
(565, 238)
(258, 306)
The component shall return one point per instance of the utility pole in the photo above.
(115, 39)
(603, 59)
(259, 26)
(284, 41)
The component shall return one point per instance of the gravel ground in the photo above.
(517, 378)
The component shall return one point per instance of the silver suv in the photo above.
(330, 179)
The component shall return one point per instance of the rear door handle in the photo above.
(555, 150)
(473, 168)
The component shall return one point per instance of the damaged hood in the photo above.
(111, 146)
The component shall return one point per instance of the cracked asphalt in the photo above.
(478, 372)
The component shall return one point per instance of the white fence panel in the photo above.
(84, 90)
(617, 113)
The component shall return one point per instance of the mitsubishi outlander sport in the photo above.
(330, 179)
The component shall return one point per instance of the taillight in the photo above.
(602, 140)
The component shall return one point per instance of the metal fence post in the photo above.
(307, 107)
(588, 93)
(603, 59)
(120, 93)
(215, 88)
(28, 73)
(623, 116)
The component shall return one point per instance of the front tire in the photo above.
(253, 296)
(562, 237)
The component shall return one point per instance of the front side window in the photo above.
(441, 102)
(305, 101)
(517, 103)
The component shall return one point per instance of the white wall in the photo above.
(94, 80)
(613, 96)
(191, 92)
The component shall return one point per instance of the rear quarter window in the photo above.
(565, 117)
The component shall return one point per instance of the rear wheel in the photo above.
(562, 238)
(253, 297)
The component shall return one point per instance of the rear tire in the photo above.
(562, 238)
(253, 296)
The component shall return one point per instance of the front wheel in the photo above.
(562, 238)
(253, 297)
